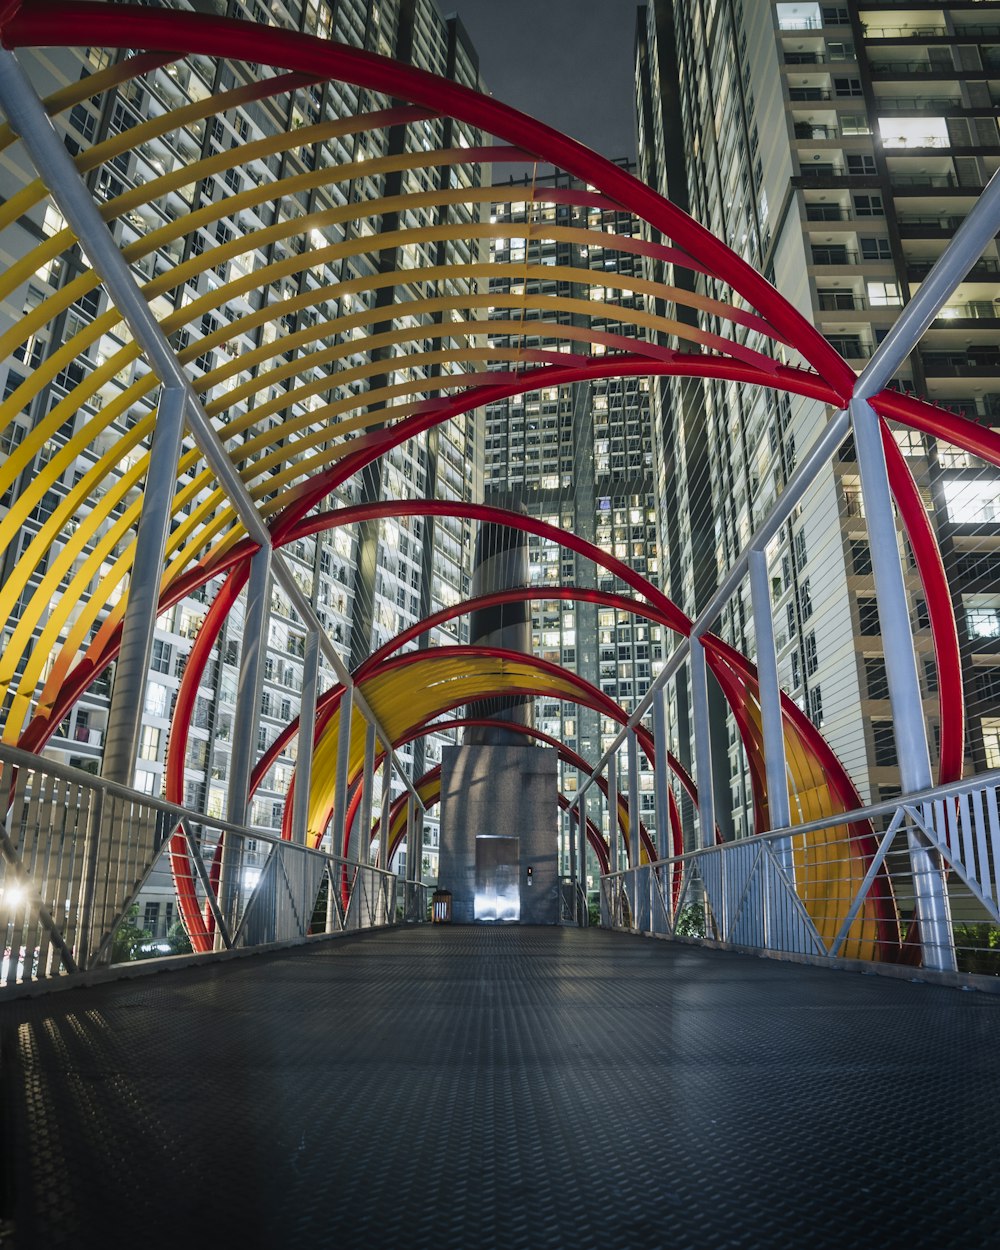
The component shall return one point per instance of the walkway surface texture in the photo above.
(472, 1088)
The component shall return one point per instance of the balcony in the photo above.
(809, 93)
(799, 23)
(913, 225)
(840, 301)
(990, 29)
(851, 346)
(810, 130)
(821, 169)
(973, 310)
(919, 104)
(910, 67)
(980, 361)
(920, 266)
(828, 212)
(937, 181)
(833, 256)
(904, 32)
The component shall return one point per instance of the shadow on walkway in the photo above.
(471, 1088)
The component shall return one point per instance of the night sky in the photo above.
(567, 62)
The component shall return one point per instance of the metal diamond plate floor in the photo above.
(483, 1087)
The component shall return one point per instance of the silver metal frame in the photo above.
(82, 938)
(960, 822)
(29, 120)
(179, 400)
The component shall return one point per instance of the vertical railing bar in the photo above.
(964, 818)
(956, 863)
(14, 863)
(108, 940)
(793, 904)
(737, 910)
(994, 832)
(45, 886)
(221, 926)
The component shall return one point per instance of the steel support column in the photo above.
(770, 703)
(632, 748)
(386, 803)
(121, 743)
(661, 780)
(573, 878)
(338, 821)
(245, 724)
(632, 757)
(412, 858)
(909, 726)
(977, 230)
(418, 840)
(360, 844)
(779, 808)
(582, 837)
(307, 723)
(612, 775)
(702, 743)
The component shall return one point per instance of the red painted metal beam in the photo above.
(64, 23)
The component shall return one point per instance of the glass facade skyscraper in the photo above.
(365, 581)
(836, 148)
(579, 457)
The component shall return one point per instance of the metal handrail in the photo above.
(78, 853)
(755, 901)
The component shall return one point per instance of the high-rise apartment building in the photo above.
(366, 581)
(579, 457)
(836, 148)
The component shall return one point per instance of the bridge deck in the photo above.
(481, 1087)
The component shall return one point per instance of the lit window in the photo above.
(972, 501)
(157, 697)
(799, 17)
(983, 622)
(991, 742)
(883, 295)
(914, 132)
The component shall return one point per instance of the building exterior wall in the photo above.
(581, 458)
(836, 148)
(365, 584)
(500, 791)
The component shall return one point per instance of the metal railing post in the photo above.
(661, 781)
(121, 744)
(386, 803)
(632, 756)
(361, 834)
(412, 857)
(909, 726)
(702, 743)
(573, 879)
(307, 723)
(612, 775)
(582, 836)
(245, 724)
(338, 831)
(770, 694)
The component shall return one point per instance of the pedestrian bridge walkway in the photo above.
(501, 1087)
